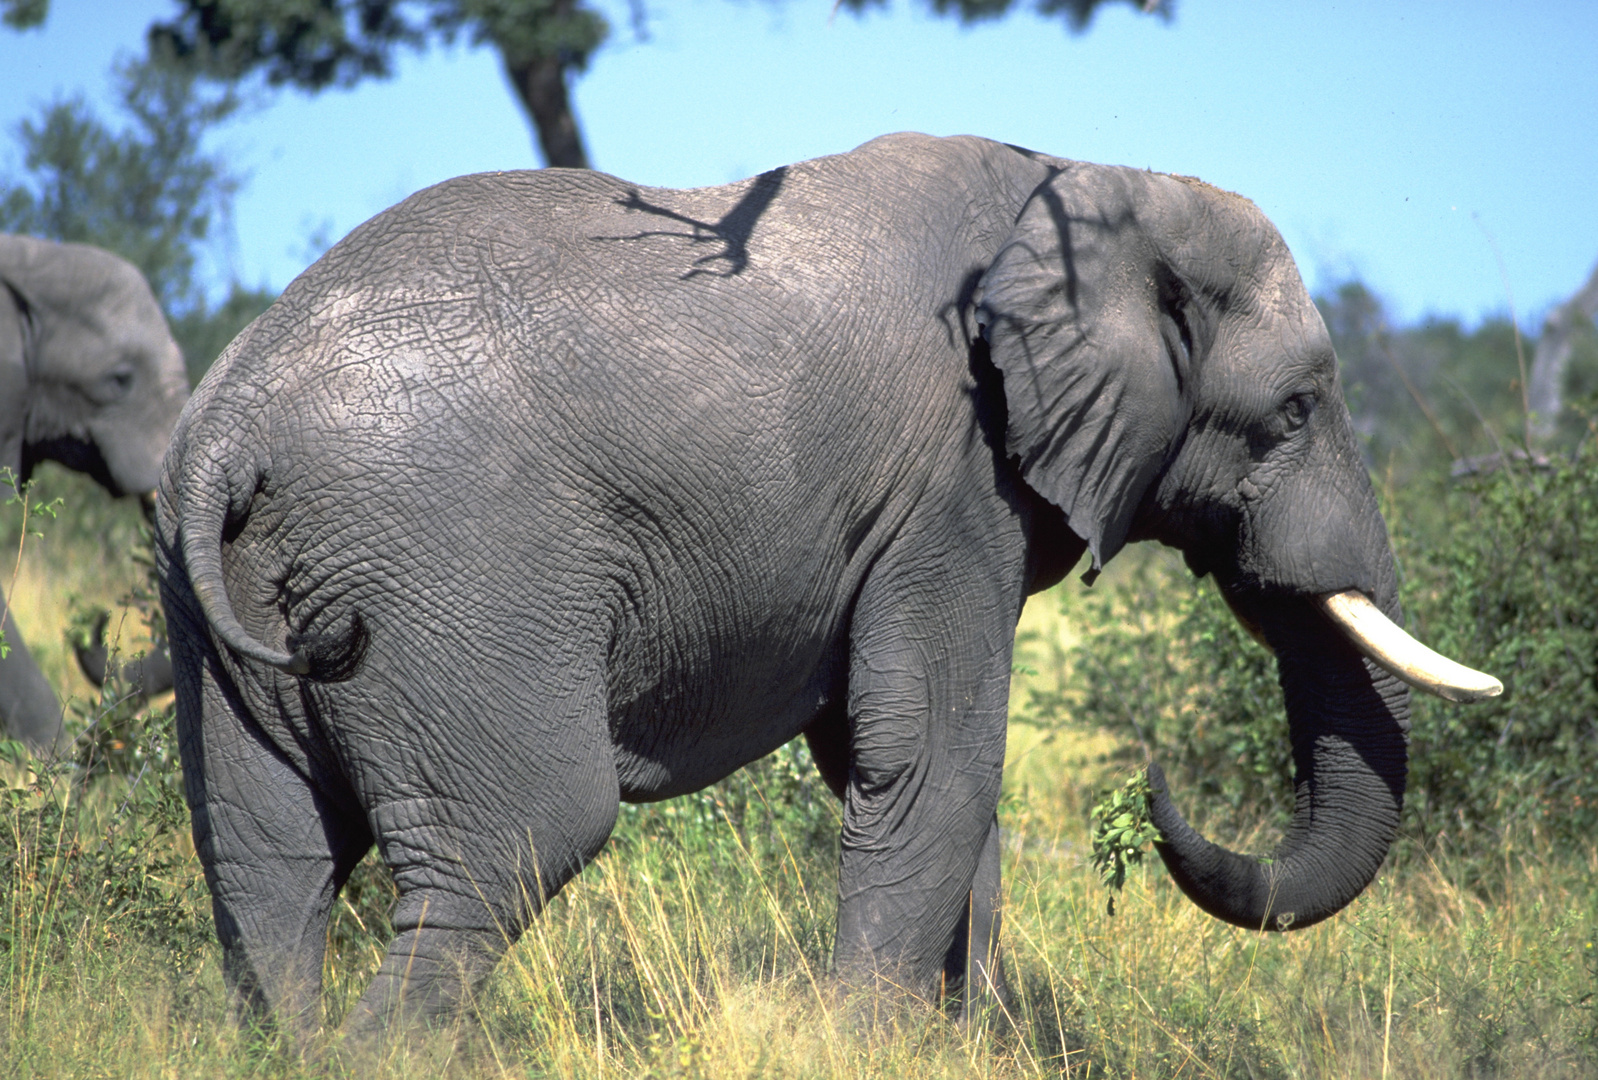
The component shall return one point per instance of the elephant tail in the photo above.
(208, 501)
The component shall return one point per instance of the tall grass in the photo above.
(707, 957)
(698, 944)
(81, 560)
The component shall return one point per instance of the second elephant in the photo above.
(90, 378)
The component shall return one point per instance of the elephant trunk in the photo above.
(1349, 722)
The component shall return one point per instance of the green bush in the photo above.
(101, 855)
(775, 805)
(1508, 585)
(91, 838)
(1512, 589)
(1163, 666)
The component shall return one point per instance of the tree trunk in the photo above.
(541, 84)
(1545, 391)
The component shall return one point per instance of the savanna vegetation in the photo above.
(698, 943)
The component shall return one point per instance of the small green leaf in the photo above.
(1123, 832)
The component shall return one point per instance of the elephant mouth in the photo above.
(1387, 645)
(1390, 647)
(79, 455)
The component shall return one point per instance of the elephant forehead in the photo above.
(1257, 365)
(1278, 289)
(1277, 332)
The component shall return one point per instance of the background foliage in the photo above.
(149, 190)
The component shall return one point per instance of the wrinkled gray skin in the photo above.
(563, 491)
(89, 377)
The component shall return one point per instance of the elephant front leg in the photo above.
(918, 881)
(972, 963)
(28, 707)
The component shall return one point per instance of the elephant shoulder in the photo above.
(961, 170)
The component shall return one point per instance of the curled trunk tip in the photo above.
(1239, 889)
(1350, 755)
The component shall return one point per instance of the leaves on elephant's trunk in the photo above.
(1122, 832)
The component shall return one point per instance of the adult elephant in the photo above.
(89, 377)
(543, 490)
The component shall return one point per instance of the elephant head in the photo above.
(91, 376)
(1167, 377)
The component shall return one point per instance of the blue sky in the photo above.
(1396, 141)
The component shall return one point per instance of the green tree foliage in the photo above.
(148, 191)
(1429, 394)
(1426, 397)
(543, 44)
(314, 44)
(1078, 14)
(23, 14)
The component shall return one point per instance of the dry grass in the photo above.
(704, 954)
(649, 966)
(71, 565)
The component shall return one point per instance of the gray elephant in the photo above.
(542, 491)
(89, 377)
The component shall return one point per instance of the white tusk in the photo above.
(1375, 635)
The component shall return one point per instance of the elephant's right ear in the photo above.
(1083, 319)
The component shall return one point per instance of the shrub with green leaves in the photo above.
(1164, 666)
(1511, 588)
(91, 851)
(1123, 831)
(778, 804)
(1508, 583)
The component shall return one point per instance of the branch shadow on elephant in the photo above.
(733, 229)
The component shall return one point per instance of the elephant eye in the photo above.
(113, 386)
(1297, 409)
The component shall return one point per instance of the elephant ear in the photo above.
(1085, 321)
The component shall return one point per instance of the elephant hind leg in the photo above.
(276, 848)
(481, 846)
